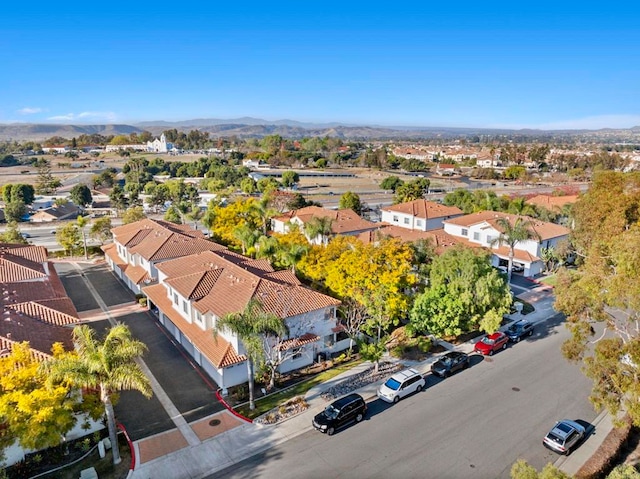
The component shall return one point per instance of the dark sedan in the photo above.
(449, 364)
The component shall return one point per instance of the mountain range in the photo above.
(247, 127)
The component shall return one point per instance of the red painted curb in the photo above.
(133, 452)
(231, 410)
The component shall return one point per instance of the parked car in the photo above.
(450, 363)
(491, 343)
(401, 384)
(517, 268)
(25, 235)
(519, 330)
(339, 413)
(563, 436)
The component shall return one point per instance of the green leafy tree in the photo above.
(249, 326)
(391, 183)
(70, 238)
(46, 184)
(465, 293)
(248, 237)
(522, 470)
(291, 254)
(290, 179)
(81, 223)
(118, 199)
(19, 192)
(248, 186)
(81, 195)
(12, 234)
(173, 215)
(351, 201)
(14, 211)
(101, 229)
(413, 190)
(109, 366)
(131, 215)
(513, 232)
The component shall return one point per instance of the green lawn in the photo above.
(551, 280)
(273, 400)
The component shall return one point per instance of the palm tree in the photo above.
(512, 234)
(318, 226)
(247, 236)
(249, 325)
(267, 247)
(108, 366)
(290, 255)
(264, 212)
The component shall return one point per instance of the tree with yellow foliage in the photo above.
(35, 414)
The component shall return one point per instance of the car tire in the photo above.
(396, 399)
(530, 333)
(419, 388)
(359, 417)
(518, 339)
(330, 431)
(466, 365)
(504, 346)
(491, 352)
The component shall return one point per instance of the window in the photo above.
(296, 353)
(418, 222)
(328, 340)
(328, 314)
(395, 218)
(175, 298)
(465, 232)
(476, 236)
(184, 306)
(406, 221)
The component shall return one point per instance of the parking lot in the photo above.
(186, 385)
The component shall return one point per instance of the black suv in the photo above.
(340, 412)
(519, 330)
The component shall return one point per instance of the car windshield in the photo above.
(446, 360)
(331, 412)
(515, 328)
(392, 384)
(487, 340)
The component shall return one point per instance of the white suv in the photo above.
(401, 384)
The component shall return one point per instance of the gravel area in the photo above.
(359, 380)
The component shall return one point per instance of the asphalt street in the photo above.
(475, 424)
(188, 387)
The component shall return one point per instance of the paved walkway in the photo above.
(225, 440)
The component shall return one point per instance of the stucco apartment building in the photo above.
(420, 215)
(344, 222)
(482, 228)
(191, 282)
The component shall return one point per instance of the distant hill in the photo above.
(256, 128)
(41, 131)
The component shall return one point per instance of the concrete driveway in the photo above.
(189, 389)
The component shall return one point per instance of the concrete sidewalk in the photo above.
(225, 440)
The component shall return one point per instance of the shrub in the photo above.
(424, 344)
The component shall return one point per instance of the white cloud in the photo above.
(29, 110)
(84, 116)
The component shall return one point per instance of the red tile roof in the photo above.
(306, 338)
(424, 209)
(343, 221)
(217, 350)
(544, 229)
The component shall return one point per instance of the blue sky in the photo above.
(482, 64)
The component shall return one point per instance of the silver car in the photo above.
(401, 384)
(563, 436)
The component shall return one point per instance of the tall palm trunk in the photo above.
(510, 265)
(111, 423)
(252, 402)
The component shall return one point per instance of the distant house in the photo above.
(481, 229)
(54, 213)
(421, 215)
(438, 238)
(446, 169)
(343, 222)
(552, 203)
